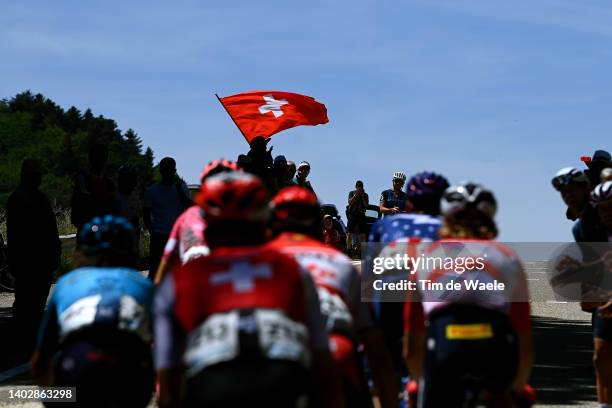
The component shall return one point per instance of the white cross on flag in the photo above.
(264, 113)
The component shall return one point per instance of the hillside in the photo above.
(33, 126)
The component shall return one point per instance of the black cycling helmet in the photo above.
(424, 191)
(108, 235)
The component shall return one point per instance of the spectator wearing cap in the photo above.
(358, 202)
(279, 168)
(393, 200)
(600, 160)
(303, 170)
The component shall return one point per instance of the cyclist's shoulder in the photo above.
(94, 275)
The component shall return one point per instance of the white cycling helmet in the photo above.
(398, 175)
(602, 193)
(567, 176)
(466, 195)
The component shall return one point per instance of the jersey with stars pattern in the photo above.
(400, 226)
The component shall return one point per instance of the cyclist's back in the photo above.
(473, 331)
(297, 221)
(98, 321)
(245, 320)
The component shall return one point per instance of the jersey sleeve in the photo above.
(169, 336)
(360, 310)
(520, 310)
(313, 318)
(414, 314)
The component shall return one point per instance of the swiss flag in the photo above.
(264, 113)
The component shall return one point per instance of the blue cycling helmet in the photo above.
(108, 235)
(424, 191)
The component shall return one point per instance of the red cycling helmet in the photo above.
(234, 196)
(217, 166)
(295, 208)
(294, 195)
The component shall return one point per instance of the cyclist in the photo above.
(296, 224)
(393, 201)
(187, 239)
(391, 234)
(601, 197)
(245, 320)
(477, 340)
(96, 333)
(574, 187)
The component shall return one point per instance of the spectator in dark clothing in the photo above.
(261, 159)
(34, 253)
(163, 203)
(127, 203)
(303, 170)
(280, 172)
(358, 202)
(291, 169)
(244, 162)
(600, 160)
(93, 189)
(261, 163)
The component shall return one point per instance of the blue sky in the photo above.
(503, 93)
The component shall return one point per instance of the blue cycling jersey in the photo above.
(390, 199)
(120, 298)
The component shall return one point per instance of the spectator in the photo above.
(261, 159)
(358, 202)
(290, 173)
(34, 253)
(244, 162)
(93, 189)
(393, 201)
(606, 174)
(127, 203)
(330, 235)
(600, 160)
(163, 203)
(303, 170)
(261, 162)
(280, 172)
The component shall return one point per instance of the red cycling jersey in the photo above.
(499, 264)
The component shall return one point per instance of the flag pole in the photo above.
(233, 120)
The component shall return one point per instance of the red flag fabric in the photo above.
(264, 113)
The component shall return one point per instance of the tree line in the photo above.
(33, 126)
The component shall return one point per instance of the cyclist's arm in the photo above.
(414, 336)
(520, 318)
(168, 346)
(46, 346)
(383, 208)
(521, 321)
(376, 351)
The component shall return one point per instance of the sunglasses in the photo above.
(398, 181)
(567, 179)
